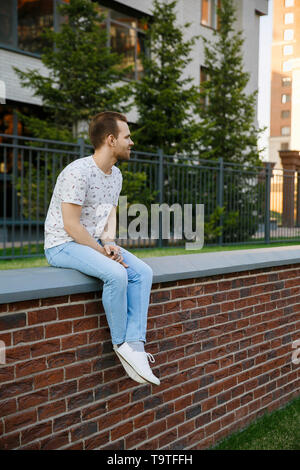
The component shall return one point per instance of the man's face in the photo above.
(123, 142)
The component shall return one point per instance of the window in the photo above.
(286, 114)
(286, 130)
(289, 3)
(209, 13)
(289, 18)
(286, 81)
(127, 37)
(285, 98)
(23, 21)
(287, 66)
(284, 146)
(288, 50)
(288, 35)
(33, 17)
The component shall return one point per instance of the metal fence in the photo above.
(241, 205)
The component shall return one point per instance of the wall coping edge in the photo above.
(35, 283)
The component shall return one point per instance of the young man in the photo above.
(80, 221)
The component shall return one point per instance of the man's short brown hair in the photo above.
(102, 125)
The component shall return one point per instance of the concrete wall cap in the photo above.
(43, 282)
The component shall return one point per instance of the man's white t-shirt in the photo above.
(82, 182)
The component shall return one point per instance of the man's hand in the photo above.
(114, 252)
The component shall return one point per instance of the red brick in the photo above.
(43, 348)
(55, 300)
(19, 353)
(28, 335)
(30, 367)
(8, 407)
(93, 308)
(121, 430)
(70, 311)
(20, 420)
(88, 323)
(144, 419)
(60, 359)
(48, 378)
(136, 438)
(10, 442)
(12, 321)
(51, 409)
(55, 442)
(35, 432)
(41, 316)
(7, 374)
(33, 399)
(97, 442)
(58, 329)
(23, 305)
(165, 439)
(77, 370)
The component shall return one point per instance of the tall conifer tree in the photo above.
(165, 97)
(227, 111)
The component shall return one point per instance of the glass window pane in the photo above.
(288, 35)
(33, 17)
(288, 50)
(205, 12)
(289, 18)
(286, 130)
(286, 81)
(140, 50)
(122, 18)
(285, 98)
(122, 40)
(287, 66)
(289, 3)
(6, 23)
(286, 114)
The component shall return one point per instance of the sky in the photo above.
(264, 77)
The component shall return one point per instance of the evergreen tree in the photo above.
(164, 97)
(83, 73)
(228, 113)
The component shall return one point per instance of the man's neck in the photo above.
(104, 160)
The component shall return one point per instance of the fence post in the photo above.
(220, 196)
(267, 202)
(160, 192)
(80, 142)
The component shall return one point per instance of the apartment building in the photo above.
(285, 85)
(22, 22)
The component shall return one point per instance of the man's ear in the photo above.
(111, 140)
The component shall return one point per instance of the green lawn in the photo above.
(38, 261)
(279, 430)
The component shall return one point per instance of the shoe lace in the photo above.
(150, 357)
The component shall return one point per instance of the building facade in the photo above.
(22, 22)
(285, 84)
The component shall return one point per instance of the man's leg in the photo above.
(140, 276)
(114, 277)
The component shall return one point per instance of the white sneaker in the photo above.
(139, 362)
(130, 371)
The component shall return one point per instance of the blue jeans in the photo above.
(126, 291)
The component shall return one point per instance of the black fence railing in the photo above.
(241, 205)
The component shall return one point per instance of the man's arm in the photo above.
(109, 232)
(71, 219)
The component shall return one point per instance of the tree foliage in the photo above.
(165, 97)
(227, 110)
(83, 73)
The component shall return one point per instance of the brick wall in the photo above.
(223, 350)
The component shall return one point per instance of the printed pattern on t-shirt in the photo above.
(82, 182)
